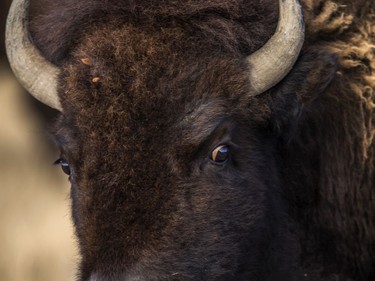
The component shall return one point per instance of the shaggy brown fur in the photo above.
(162, 84)
(342, 125)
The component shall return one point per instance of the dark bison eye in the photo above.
(64, 165)
(220, 154)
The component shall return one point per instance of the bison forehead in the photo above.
(131, 80)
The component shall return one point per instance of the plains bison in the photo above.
(201, 144)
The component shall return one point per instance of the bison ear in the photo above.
(309, 78)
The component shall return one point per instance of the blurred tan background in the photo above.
(36, 237)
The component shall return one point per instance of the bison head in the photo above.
(169, 145)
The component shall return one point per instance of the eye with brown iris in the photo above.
(64, 165)
(220, 154)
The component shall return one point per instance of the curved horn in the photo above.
(270, 64)
(34, 72)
